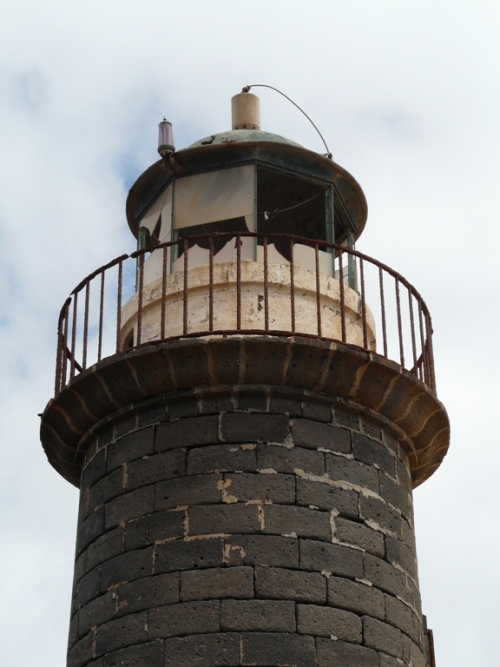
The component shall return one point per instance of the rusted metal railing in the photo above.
(91, 320)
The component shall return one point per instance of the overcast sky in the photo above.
(407, 96)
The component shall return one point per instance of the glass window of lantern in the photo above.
(290, 205)
(156, 227)
(216, 201)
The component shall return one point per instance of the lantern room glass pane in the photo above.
(215, 196)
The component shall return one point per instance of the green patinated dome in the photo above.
(242, 136)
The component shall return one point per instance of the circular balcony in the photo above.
(224, 284)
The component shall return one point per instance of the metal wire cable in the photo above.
(246, 89)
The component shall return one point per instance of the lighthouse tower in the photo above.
(246, 403)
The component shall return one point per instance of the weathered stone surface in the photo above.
(258, 615)
(279, 584)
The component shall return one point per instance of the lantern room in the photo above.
(242, 196)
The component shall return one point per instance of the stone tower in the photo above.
(246, 403)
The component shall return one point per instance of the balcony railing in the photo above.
(273, 284)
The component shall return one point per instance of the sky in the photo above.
(406, 94)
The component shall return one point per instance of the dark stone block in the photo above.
(187, 618)
(106, 489)
(187, 432)
(287, 404)
(399, 554)
(217, 519)
(382, 637)
(97, 611)
(230, 582)
(269, 648)
(106, 434)
(151, 414)
(401, 616)
(121, 632)
(327, 621)
(242, 427)
(252, 400)
(285, 459)
(347, 419)
(105, 547)
(384, 576)
(384, 515)
(327, 497)
(360, 535)
(371, 428)
(258, 615)
(221, 458)
(150, 654)
(334, 558)
(278, 584)
(154, 527)
(313, 435)
(94, 470)
(155, 591)
(130, 506)
(264, 487)
(319, 410)
(356, 597)
(341, 469)
(186, 555)
(130, 447)
(90, 529)
(81, 652)
(184, 405)
(191, 490)
(395, 494)
(337, 653)
(373, 453)
(297, 521)
(87, 588)
(221, 649)
(126, 567)
(125, 423)
(156, 468)
(213, 403)
(262, 550)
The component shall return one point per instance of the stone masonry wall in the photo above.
(245, 526)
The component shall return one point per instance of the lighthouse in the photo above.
(246, 403)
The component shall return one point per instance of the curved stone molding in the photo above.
(365, 381)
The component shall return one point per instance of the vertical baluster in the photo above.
(318, 293)
(65, 343)
(119, 304)
(423, 362)
(266, 287)
(430, 353)
(292, 286)
(342, 297)
(238, 283)
(400, 327)
(185, 293)
(101, 318)
(140, 297)
(163, 291)
(85, 326)
(211, 284)
(363, 302)
(382, 308)
(73, 337)
(412, 325)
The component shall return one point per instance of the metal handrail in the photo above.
(79, 325)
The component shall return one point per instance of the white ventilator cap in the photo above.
(245, 111)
